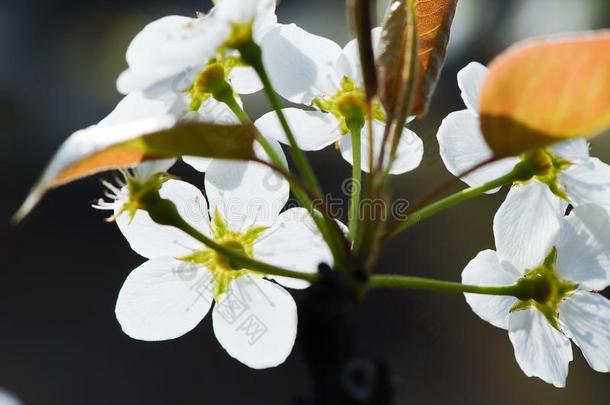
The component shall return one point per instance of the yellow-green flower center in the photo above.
(546, 168)
(222, 269)
(211, 81)
(545, 289)
(141, 192)
(348, 106)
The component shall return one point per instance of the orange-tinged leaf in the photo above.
(434, 18)
(100, 148)
(547, 90)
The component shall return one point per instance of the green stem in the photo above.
(326, 225)
(454, 199)
(251, 53)
(418, 283)
(164, 212)
(354, 207)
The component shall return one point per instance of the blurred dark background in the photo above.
(63, 267)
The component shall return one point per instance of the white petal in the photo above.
(348, 63)
(145, 170)
(526, 225)
(136, 106)
(470, 81)
(486, 269)
(163, 299)
(586, 319)
(150, 239)
(198, 163)
(408, 155)
(245, 80)
(256, 322)
(583, 248)
(313, 130)
(541, 350)
(301, 65)
(462, 147)
(166, 47)
(587, 182)
(575, 151)
(214, 112)
(295, 243)
(6, 398)
(245, 193)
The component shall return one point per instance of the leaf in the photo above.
(101, 147)
(547, 90)
(397, 45)
(433, 25)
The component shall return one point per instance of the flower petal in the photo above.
(576, 151)
(462, 147)
(526, 225)
(541, 350)
(166, 47)
(301, 65)
(151, 240)
(246, 194)
(313, 130)
(583, 253)
(348, 63)
(295, 243)
(486, 269)
(137, 106)
(245, 80)
(163, 299)
(586, 319)
(256, 322)
(470, 81)
(587, 182)
(408, 155)
(146, 169)
(215, 112)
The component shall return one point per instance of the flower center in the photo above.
(222, 268)
(546, 168)
(211, 81)
(545, 290)
(348, 106)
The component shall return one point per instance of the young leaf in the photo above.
(433, 23)
(99, 148)
(547, 90)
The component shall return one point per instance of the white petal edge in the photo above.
(486, 269)
(527, 224)
(149, 239)
(348, 63)
(470, 81)
(313, 130)
(585, 317)
(583, 247)
(462, 147)
(408, 155)
(295, 243)
(301, 65)
(245, 194)
(163, 299)
(541, 350)
(256, 322)
(587, 182)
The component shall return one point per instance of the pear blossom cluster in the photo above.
(552, 233)
(172, 64)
